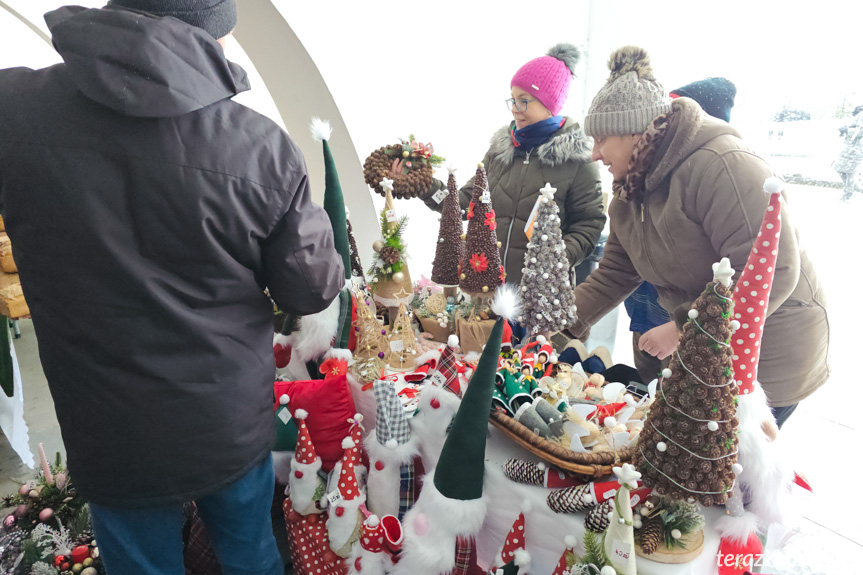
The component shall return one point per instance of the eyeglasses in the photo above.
(520, 104)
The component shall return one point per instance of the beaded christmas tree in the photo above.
(403, 342)
(481, 270)
(450, 249)
(688, 448)
(546, 292)
(371, 336)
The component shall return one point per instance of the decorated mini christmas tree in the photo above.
(390, 277)
(549, 305)
(689, 442)
(619, 540)
(403, 341)
(450, 249)
(481, 270)
(371, 336)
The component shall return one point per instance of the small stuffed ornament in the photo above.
(514, 557)
(392, 449)
(619, 540)
(344, 512)
(369, 557)
(451, 507)
(303, 480)
(566, 558)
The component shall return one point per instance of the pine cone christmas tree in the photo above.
(450, 248)
(689, 442)
(650, 534)
(597, 519)
(481, 270)
(356, 266)
(546, 291)
(571, 499)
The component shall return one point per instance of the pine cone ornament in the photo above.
(526, 472)
(390, 255)
(571, 499)
(597, 519)
(650, 534)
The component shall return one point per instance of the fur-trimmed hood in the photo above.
(569, 143)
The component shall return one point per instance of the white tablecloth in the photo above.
(12, 421)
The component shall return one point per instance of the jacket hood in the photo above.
(690, 129)
(142, 65)
(569, 143)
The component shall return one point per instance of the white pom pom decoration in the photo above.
(713, 426)
(636, 523)
(348, 443)
(676, 533)
(392, 443)
(284, 399)
(666, 372)
(773, 185)
(735, 325)
(737, 469)
(661, 447)
(301, 414)
(608, 570)
(452, 340)
(609, 422)
(570, 541)
(693, 314)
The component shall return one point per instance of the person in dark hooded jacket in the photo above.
(149, 212)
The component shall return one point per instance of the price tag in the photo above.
(620, 549)
(334, 497)
(608, 494)
(439, 195)
(397, 345)
(438, 379)
(391, 215)
(284, 414)
(486, 197)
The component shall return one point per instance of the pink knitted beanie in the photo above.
(548, 77)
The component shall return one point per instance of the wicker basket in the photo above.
(591, 465)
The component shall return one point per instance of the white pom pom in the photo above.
(553, 358)
(392, 443)
(540, 466)
(301, 414)
(358, 417)
(737, 469)
(608, 570)
(676, 533)
(666, 372)
(521, 557)
(373, 521)
(773, 185)
(588, 498)
(348, 443)
(629, 400)
(661, 447)
(735, 325)
(609, 422)
(621, 520)
(693, 313)
(506, 303)
(713, 426)
(284, 399)
(636, 523)
(321, 129)
(452, 340)
(544, 237)
(570, 541)
(540, 339)
(636, 517)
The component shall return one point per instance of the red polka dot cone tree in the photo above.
(760, 468)
(392, 449)
(303, 480)
(514, 557)
(450, 248)
(369, 557)
(344, 504)
(481, 269)
(451, 504)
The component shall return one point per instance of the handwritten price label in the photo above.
(438, 379)
(440, 195)
(621, 549)
(397, 345)
(334, 497)
(391, 215)
(486, 197)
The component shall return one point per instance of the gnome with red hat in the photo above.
(344, 515)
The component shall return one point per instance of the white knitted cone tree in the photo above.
(546, 292)
(619, 539)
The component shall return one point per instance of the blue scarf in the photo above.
(536, 134)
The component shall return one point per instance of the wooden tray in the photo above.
(592, 465)
(694, 545)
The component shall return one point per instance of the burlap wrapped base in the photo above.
(431, 326)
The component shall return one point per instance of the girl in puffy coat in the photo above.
(687, 192)
(540, 146)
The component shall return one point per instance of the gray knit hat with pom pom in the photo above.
(631, 98)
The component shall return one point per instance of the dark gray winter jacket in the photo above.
(514, 180)
(148, 213)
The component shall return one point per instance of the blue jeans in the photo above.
(149, 541)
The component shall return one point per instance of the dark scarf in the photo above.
(536, 134)
(631, 187)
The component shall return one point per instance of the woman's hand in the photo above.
(396, 169)
(660, 341)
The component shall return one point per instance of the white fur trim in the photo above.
(429, 425)
(383, 485)
(506, 303)
(472, 357)
(282, 339)
(339, 353)
(521, 557)
(342, 529)
(321, 129)
(569, 540)
(301, 413)
(431, 354)
(433, 552)
(765, 471)
(737, 529)
(316, 333)
(302, 490)
(348, 443)
(371, 563)
(282, 465)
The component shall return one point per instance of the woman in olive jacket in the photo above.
(538, 147)
(687, 192)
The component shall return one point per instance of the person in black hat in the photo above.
(149, 212)
(714, 95)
